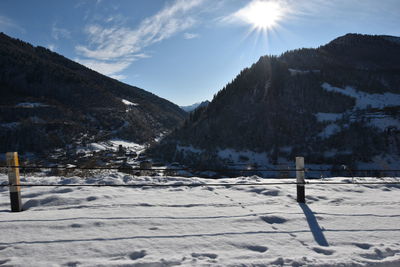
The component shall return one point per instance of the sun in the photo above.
(262, 15)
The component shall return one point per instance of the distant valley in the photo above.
(191, 108)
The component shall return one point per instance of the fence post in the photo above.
(300, 180)
(145, 167)
(13, 180)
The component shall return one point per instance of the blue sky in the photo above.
(187, 50)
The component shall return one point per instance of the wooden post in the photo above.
(300, 180)
(13, 179)
(145, 165)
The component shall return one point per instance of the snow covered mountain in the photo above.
(194, 106)
(336, 104)
(48, 101)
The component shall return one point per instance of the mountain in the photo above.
(336, 104)
(194, 106)
(48, 101)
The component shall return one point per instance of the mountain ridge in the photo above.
(281, 105)
(192, 107)
(72, 102)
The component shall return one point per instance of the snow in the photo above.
(341, 225)
(129, 103)
(322, 117)
(96, 147)
(127, 144)
(111, 145)
(383, 122)
(10, 125)
(329, 130)
(365, 100)
(31, 105)
(160, 137)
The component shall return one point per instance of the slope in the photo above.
(49, 101)
(337, 104)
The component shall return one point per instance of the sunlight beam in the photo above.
(261, 15)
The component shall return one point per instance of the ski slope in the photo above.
(341, 225)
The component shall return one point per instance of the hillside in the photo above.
(336, 104)
(48, 101)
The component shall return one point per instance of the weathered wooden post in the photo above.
(121, 150)
(300, 180)
(125, 167)
(145, 167)
(13, 180)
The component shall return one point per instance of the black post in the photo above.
(15, 198)
(301, 197)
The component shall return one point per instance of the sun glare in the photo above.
(262, 15)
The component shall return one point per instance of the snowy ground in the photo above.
(341, 225)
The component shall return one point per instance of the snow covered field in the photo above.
(341, 225)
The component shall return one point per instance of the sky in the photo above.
(187, 50)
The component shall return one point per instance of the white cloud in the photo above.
(4, 21)
(8, 23)
(109, 46)
(52, 47)
(81, 3)
(118, 77)
(188, 35)
(58, 33)
(106, 68)
(115, 19)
